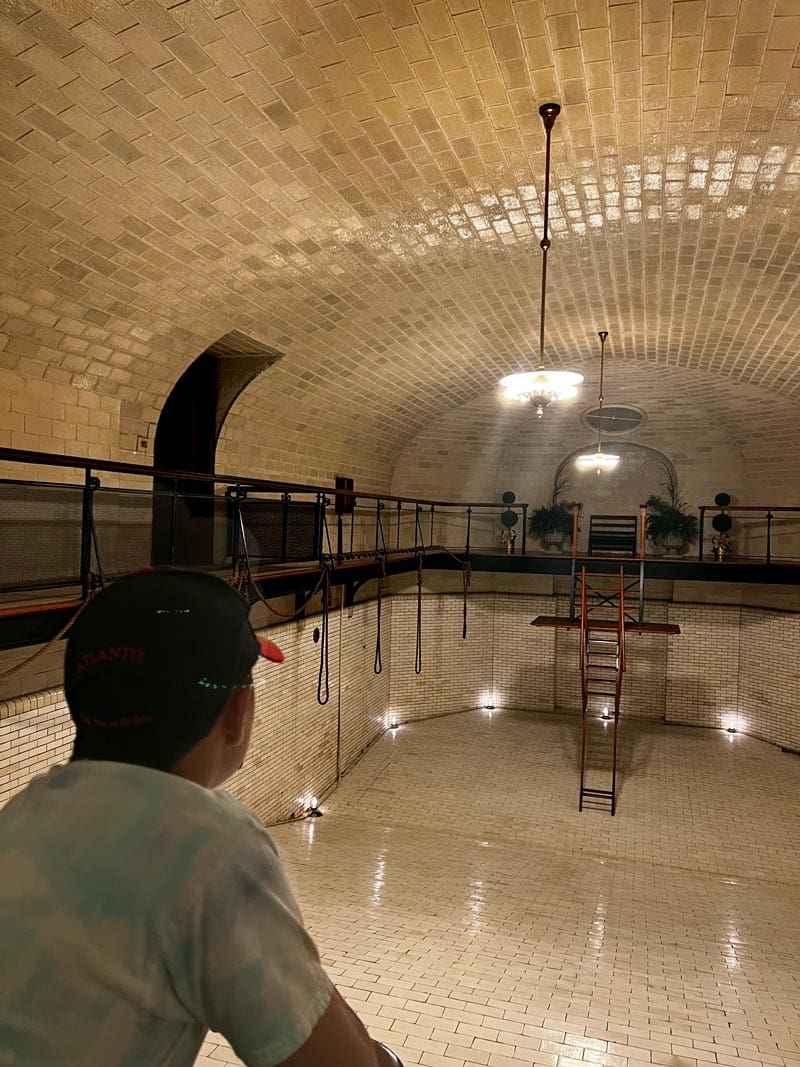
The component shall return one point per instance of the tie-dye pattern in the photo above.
(137, 910)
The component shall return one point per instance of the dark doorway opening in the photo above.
(190, 527)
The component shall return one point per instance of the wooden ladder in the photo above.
(602, 658)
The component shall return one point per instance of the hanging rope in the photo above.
(289, 615)
(380, 538)
(418, 654)
(242, 579)
(377, 666)
(466, 578)
(327, 534)
(323, 678)
(466, 575)
(419, 538)
(50, 644)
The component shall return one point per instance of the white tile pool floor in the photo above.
(471, 915)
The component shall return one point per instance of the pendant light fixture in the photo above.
(541, 387)
(599, 460)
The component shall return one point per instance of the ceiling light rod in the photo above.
(603, 335)
(543, 386)
(600, 460)
(549, 113)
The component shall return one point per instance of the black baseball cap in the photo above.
(181, 638)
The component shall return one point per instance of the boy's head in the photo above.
(158, 673)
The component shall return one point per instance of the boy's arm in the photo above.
(254, 973)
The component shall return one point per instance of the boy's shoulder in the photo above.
(159, 811)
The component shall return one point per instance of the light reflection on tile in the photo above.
(511, 930)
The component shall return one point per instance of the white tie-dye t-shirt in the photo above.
(138, 910)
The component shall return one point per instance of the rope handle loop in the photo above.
(466, 578)
(10, 671)
(418, 651)
(377, 666)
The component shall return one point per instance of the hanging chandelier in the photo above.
(541, 387)
(599, 460)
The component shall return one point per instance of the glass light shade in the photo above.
(599, 461)
(541, 387)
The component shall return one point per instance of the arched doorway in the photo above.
(641, 472)
(186, 440)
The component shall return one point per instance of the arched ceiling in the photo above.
(719, 435)
(357, 184)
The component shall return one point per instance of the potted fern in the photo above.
(669, 525)
(552, 523)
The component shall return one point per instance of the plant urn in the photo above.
(553, 540)
(671, 541)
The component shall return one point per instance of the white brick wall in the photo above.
(730, 666)
(735, 666)
(703, 665)
(769, 675)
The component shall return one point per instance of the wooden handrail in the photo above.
(35, 609)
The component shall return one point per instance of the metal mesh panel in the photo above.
(191, 529)
(223, 531)
(271, 539)
(124, 522)
(40, 535)
(301, 532)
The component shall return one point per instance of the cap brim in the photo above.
(269, 650)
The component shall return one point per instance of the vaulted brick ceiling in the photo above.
(357, 183)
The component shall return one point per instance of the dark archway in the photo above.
(191, 421)
(641, 472)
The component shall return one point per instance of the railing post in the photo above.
(769, 537)
(399, 509)
(377, 523)
(702, 533)
(524, 528)
(433, 506)
(285, 498)
(235, 494)
(642, 531)
(173, 523)
(469, 527)
(324, 501)
(87, 531)
(575, 511)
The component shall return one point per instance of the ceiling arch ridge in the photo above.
(411, 402)
(700, 420)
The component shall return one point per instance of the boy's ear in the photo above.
(235, 716)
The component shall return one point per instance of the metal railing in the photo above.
(82, 532)
(770, 532)
(94, 520)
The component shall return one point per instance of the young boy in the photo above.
(138, 906)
